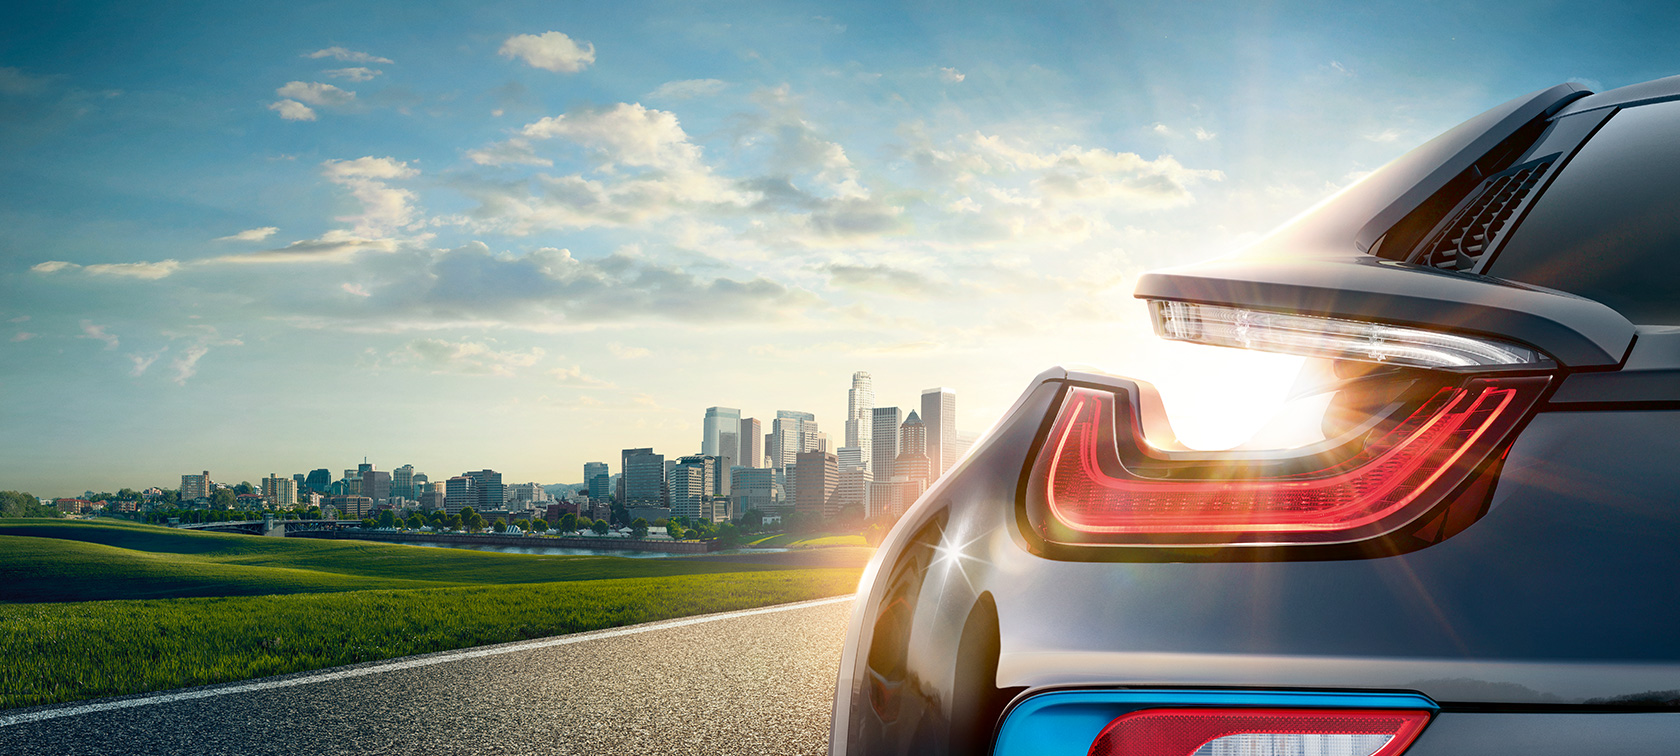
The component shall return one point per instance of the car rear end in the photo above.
(1466, 541)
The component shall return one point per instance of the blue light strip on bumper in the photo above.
(1064, 723)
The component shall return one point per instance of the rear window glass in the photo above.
(1609, 227)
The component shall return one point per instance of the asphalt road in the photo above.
(754, 684)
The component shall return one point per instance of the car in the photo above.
(1471, 547)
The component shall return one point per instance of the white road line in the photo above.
(563, 640)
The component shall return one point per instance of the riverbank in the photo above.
(596, 543)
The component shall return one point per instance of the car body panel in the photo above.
(1544, 626)
(1548, 734)
(1548, 599)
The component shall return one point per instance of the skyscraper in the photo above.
(818, 476)
(939, 412)
(195, 486)
(912, 435)
(752, 444)
(884, 441)
(791, 434)
(280, 492)
(693, 484)
(457, 493)
(721, 438)
(596, 489)
(643, 478)
(860, 406)
(320, 480)
(402, 482)
(754, 488)
(488, 492)
(376, 484)
(432, 497)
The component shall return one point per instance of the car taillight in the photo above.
(1260, 732)
(1336, 338)
(1097, 479)
(1408, 418)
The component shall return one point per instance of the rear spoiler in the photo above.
(1576, 332)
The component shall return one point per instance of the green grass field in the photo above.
(811, 539)
(218, 608)
(76, 560)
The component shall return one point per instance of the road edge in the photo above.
(78, 708)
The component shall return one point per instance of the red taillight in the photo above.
(1098, 481)
(1260, 732)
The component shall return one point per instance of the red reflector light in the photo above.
(1098, 481)
(1260, 732)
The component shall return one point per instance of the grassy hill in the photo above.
(79, 560)
(100, 608)
(810, 539)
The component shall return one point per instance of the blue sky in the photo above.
(528, 235)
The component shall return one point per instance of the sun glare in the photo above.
(1216, 398)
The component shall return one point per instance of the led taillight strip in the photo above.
(1431, 447)
(1260, 732)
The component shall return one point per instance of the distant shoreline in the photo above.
(601, 543)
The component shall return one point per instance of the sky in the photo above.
(524, 236)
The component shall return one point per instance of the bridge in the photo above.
(267, 526)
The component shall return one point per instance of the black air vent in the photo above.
(1472, 229)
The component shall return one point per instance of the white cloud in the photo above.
(368, 167)
(384, 208)
(357, 73)
(666, 174)
(199, 341)
(1203, 135)
(511, 152)
(627, 352)
(884, 279)
(469, 357)
(1077, 172)
(97, 332)
(186, 365)
(574, 376)
(335, 246)
(19, 319)
(348, 56)
(292, 110)
(315, 93)
(14, 81)
(23, 336)
(150, 271)
(1383, 137)
(251, 234)
(688, 89)
(1162, 129)
(356, 289)
(144, 361)
(951, 75)
(546, 289)
(551, 51)
(625, 133)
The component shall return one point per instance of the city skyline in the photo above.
(404, 477)
(516, 235)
